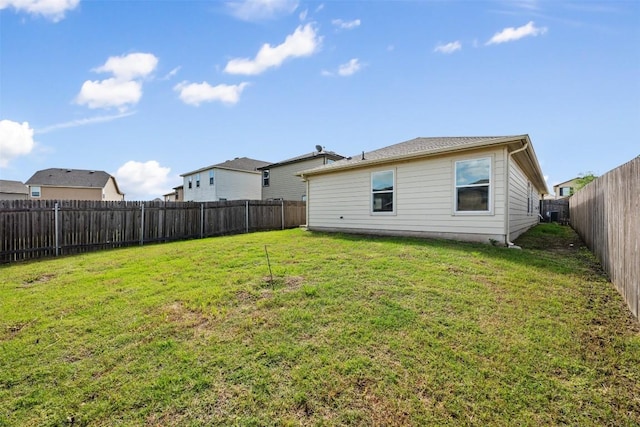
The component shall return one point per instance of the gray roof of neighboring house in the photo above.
(424, 147)
(243, 164)
(70, 178)
(328, 154)
(13, 187)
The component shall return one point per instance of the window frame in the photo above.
(31, 192)
(490, 185)
(372, 193)
(211, 177)
(266, 177)
(197, 180)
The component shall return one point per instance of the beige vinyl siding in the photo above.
(283, 182)
(237, 185)
(110, 191)
(424, 200)
(520, 217)
(70, 193)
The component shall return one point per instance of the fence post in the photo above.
(142, 225)
(201, 220)
(282, 212)
(56, 217)
(246, 216)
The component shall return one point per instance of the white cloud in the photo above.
(350, 68)
(256, 10)
(346, 25)
(511, 34)
(16, 139)
(345, 70)
(143, 181)
(449, 47)
(303, 42)
(50, 9)
(303, 15)
(82, 122)
(171, 73)
(129, 67)
(124, 88)
(197, 93)
(109, 93)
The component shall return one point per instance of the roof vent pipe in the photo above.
(363, 156)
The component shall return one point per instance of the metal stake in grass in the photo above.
(268, 263)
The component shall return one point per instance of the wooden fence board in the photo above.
(28, 227)
(606, 215)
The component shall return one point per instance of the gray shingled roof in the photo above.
(413, 147)
(13, 187)
(239, 164)
(69, 178)
(329, 154)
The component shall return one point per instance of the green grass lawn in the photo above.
(351, 330)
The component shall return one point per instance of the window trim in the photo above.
(266, 177)
(197, 180)
(491, 185)
(39, 191)
(393, 193)
(211, 178)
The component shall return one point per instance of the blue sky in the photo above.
(149, 90)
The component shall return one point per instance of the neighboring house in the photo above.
(13, 190)
(463, 188)
(177, 195)
(237, 179)
(565, 189)
(73, 184)
(280, 182)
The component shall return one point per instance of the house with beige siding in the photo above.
(565, 189)
(280, 180)
(73, 184)
(13, 190)
(237, 179)
(480, 189)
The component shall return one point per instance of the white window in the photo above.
(211, 180)
(473, 185)
(190, 182)
(35, 191)
(265, 178)
(197, 180)
(566, 191)
(383, 192)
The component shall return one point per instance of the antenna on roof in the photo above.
(319, 148)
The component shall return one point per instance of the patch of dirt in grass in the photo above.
(37, 280)
(11, 331)
(181, 315)
(289, 283)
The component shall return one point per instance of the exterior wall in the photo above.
(13, 196)
(205, 192)
(283, 182)
(424, 200)
(524, 202)
(110, 192)
(236, 185)
(227, 184)
(67, 193)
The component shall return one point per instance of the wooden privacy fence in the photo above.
(32, 229)
(606, 215)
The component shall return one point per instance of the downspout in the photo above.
(306, 208)
(506, 204)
